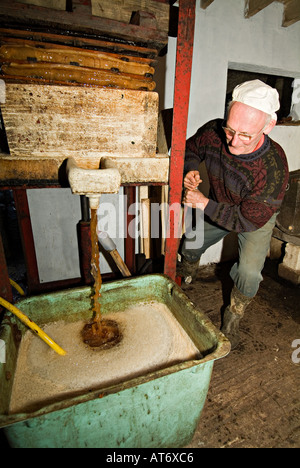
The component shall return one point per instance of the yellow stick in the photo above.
(17, 287)
(33, 326)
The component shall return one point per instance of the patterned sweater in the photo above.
(245, 190)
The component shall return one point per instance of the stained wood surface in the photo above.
(14, 50)
(81, 20)
(42, 38)
(291, 9)
(254, 6)
(205, 3)
(53, 73)
(30, 61)
(30, 173)
(58, 122)
(291, 12)
(122, 10)
(54, 4)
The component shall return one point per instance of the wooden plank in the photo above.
(69, 74)
(15, 50)
(79, 20)
(130, 200)
(16, 171)
(291, 12)
(24, 221)
(57, 122)
(122, 10)
(53, 4)
(139, 53)
(205, 3)
(145, 223)
(254, 6)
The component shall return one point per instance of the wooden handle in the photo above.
(120, 263)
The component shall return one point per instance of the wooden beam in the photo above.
(122, 11)
(130, 194)
(54, 4)
(79, 20)
(291, 12)
(83, 42)
(254, 6)
(205, 3)
(25, 227)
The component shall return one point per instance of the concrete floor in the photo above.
(254, 396)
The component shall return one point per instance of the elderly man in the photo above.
(248, 175)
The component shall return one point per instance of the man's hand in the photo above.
(196, 199)
(192, 180)
(192, 195)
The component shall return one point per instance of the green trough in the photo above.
(159, 409)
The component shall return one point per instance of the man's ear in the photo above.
(270, 127)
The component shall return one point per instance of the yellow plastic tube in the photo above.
(17, 287)
(33, 326)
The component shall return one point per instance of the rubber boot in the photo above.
(233, 315)
(188, 270)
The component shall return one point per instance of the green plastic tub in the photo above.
(149, 408)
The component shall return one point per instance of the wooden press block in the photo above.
(121, 10)
(53, 4)
(57, 122)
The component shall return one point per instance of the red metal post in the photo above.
(184, 58)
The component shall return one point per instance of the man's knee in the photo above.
(247, 278)
(191, 255)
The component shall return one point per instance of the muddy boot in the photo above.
(188, 270)
(233, 315)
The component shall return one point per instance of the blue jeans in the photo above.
(253, 248)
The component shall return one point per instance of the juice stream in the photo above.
(99, 333)
(95, 271)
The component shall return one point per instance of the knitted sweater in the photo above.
(245, 190)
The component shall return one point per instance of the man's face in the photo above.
(245, 120)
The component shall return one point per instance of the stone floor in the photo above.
(254, 395)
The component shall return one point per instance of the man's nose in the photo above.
(235, 140)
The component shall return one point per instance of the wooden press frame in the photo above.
(185, 42)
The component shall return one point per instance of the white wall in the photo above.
(54, 215)
(288, 136)
(225, 39)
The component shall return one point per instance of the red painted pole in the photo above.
(184, 58)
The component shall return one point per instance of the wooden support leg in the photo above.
(5, 287)
(23, 213)
(130, 239)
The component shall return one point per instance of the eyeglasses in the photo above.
(230, 133)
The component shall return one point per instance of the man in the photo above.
(248, 175)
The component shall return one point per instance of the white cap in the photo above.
(258, 95)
